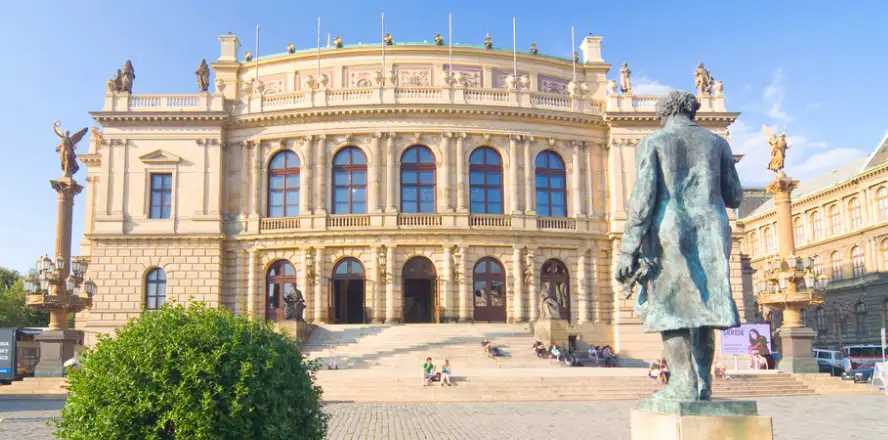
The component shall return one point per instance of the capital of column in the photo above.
(527, 139)
(515, 137)
(391, 135)
(551, 141)
(377, 135)
(461, 135)
(447, 135)
(322, 137)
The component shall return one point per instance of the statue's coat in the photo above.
(677, 216)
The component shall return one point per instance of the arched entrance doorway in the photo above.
(347, 292)
(279, 281)
(489, 287)
(420, 287)
(555, 278)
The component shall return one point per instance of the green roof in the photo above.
(325, 49)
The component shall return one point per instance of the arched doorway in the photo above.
(489, 287)
(555, 278)
(419, 287)
(279, 281)
(347, 299)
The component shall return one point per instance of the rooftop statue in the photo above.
(439, 40)
(388, 40)
(625, 79)
(778, 149)
(488, 42)
(677, 220)
(67, 144)
(337, 42)
(533, 49)
(291, 48)
(115, 84)
(203, 76)
(703, 80)
(129, 76)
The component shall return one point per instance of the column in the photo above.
(252, 294)
(513, 173)
(391, 314)
(375, 180)
(390, 173)
(582, 289)
(444, 189)
(320, 291)
(532, 285)
(321, 167)
(577, 180)
(305, 283)
(257, 179)
(529, 171)
(461, 173)
(376, 282)
(444, 296)
(240, 300)
(245, 181)
(518, 286)
(465, 299)
(307, 185)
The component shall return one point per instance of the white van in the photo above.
(828, 360)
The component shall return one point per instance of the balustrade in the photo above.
(538, 99)
(288, 100)
(490, 221)
(348, 221)
(278, 224)
(342, 96)
(478, 96)
(556, 223)
(419, 94)
(419, 220)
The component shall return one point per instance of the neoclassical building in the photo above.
(409, 196)
(840, 220)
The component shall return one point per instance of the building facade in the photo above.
(841, 221)
(409, 196)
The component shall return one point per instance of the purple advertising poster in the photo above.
(746, 339)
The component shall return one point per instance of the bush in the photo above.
(193, 373)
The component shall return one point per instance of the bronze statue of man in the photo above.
(677, 219)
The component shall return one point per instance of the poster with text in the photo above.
(7, 353)
(746, 339)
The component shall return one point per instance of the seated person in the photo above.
(719, 370)
(540, 349)
(428, 371)
(664, 372)
(762, 363)
(445, 373)
(594, 355)
(654, 370)
(555, 352)
(490, 349)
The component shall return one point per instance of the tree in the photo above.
(193, 372)
(13, 311)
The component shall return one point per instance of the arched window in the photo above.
(754, 245)
(884, 248)
(855, 213)
(417, 180)
(860, 318)
(350, 181)
(817, 267)
(798, 231)
(816, 226)
(283, 185)
(858, 266)
(347, 300)
(821, 321)
(489, 286)
(835, 261)
(486, 181)
(882, 202)
(550, 184)
(769, 241)
(155, 289)
(280, 281)
(835, 220)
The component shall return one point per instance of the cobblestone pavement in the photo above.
(795, 418)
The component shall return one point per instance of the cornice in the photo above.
(192, 118)
(90, 159)
(648, 117)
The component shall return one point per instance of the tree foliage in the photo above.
(193, 372)
(13, 311)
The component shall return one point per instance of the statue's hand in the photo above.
(626, 267)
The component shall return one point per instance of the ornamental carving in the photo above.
(471, 76)
(548, 84)
(360, 79)
(415, 77)
(274, 85)
(499, 77)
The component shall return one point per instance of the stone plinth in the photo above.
(56, 347)
(551, 331)
(699, 420)
(796, 345)
(300, 330)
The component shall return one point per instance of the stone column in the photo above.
(444, 189)
(391, 314)
(306, 184)
(582, 289)
(257, 180)
(445, 302)
(375, 181)
(320, 290)
(513, 174)
(390, 173)
(245, 180)
(517, 286)
(529, 171)
(252, 293)
(461, 173)
(465, 298)
(321, 166)
(577, 180)
(532, 288)
(305, 284)
(376, 283)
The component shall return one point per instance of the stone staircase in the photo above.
(826, 384)
(35, 388)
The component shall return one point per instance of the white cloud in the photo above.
(774, 94)
(643, 85)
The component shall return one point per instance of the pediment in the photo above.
(160, 157)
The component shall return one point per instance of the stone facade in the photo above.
(203, 163)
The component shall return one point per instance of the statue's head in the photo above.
(677, 103)
(625, 64)
(700, 66)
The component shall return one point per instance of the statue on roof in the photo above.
(291, 48)
(488, 42)
(439, 40)
(388, 40)
(67, 144)
(129, 76)
(703, 80)
(337, 42)
(115, 84)
(533, 49)
(203, 76)
(778, 148)
(625, 79)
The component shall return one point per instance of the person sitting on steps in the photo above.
(490, 349)
(445, 373)
(540, 349)
(428, 371)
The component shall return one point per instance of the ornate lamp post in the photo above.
(787, 282)
(59, 286)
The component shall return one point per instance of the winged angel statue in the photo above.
(778, 148)
(67, 144)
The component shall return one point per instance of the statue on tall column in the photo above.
(129, 76)
(203, 76)
(677, 219)
(778, 148)
(67, 144)
(625, 79)
(703, 80)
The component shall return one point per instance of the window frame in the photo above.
(835, 264)
(284, 172)
(860, 318)
(855, 213)
(487, 170)
(162, 192)
(548, 172)
(798, 231)
(350, 169)
(858, 261)
(417, 169)
(882, 202)
(816, 226)
(835, 220)
(158, 284)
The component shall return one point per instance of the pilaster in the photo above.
(252, 291)
(320, 291)
(321, 166)
(576, 177)
(375, 179)
(305, 281)
(390, 173)
(391, 302)
(445, 299)
(517, 287)
(465, 304)
(256, 204)
(444, 189)
(461, 189)
(308, 185)
(514, 139)
(582, 289)
(529, 170)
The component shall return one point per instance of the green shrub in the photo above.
(193, 372)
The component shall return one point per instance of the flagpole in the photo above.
(573, 59)
(319, 48)
(382, 44)
(450, 43)
(257, 52)
(328, 39)
(514, 49)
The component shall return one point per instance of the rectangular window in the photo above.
(161, 195)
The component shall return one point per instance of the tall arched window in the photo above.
(489, 286)
(820, 315)
(417, 180)
(754, 245)
(280, 281)
(856, 213)
(882, 202)
(155, 289)
(858, 266)
(283, 185)
(486, 181)
(550, 184)
(816, 226)
(835, 261)
(350, 181)
(769, 241)
(817, 267)
(798, 231)
(835, 220)
(860, 318)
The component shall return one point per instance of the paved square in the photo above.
(795, 418)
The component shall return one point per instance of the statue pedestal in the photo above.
(56, 347)
(699, 420)
(796, 348)
(551, 331)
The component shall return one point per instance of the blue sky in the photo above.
(818, 69)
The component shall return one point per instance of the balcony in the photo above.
(278, 224)
(348, 221)
(648, 103)
(419, 220)
(562, 223)
(490, 221)
(198, 102)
